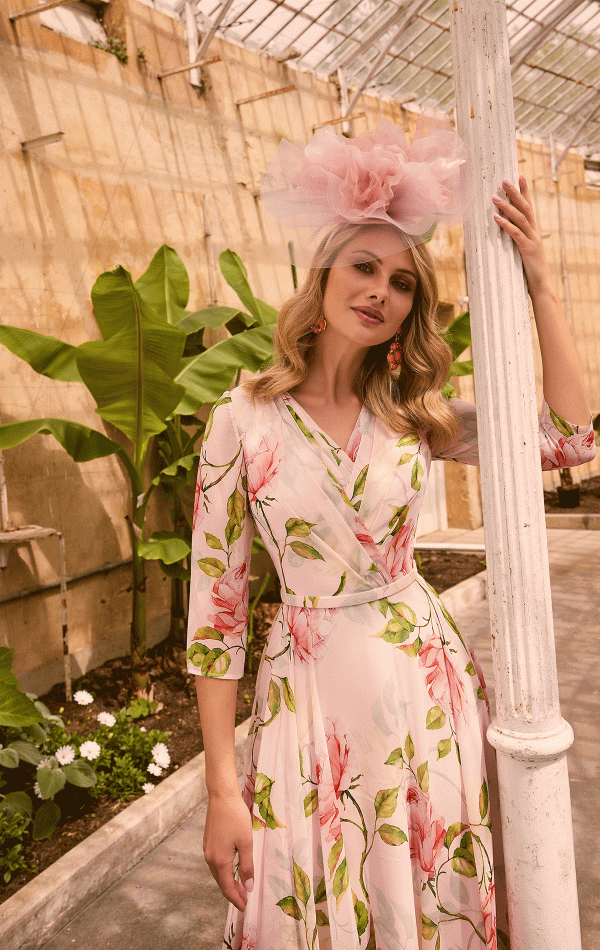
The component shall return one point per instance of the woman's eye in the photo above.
(363, 266)
(402, 286)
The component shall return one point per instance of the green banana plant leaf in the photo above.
(166, 546)
(212, 317)
(461, 369)
(177, 470)
(165, 286)
(236, 275)
(80, 442)
(207, 375)
(130, 371)
(45, 354)
(458, 334)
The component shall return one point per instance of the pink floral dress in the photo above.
(365, 774)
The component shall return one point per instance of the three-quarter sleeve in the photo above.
(221, 547)
(562, 444)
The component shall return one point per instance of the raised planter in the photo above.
(43, 906)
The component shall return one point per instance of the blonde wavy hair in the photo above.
(410, 402)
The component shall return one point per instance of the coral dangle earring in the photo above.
(317, 327)
(394, 356)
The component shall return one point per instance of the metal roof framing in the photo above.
(401, 49)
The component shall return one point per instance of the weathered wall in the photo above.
(136, 161)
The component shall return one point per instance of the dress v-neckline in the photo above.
(331, 442)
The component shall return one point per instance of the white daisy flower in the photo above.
(107, 719)
(90, 750)
(154, 769)
(65, 754)
(45, 764)
(37, 790)
(143, 729)
(148, 786)
(161, 756)
(83, 697)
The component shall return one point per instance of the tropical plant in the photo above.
(149, 374)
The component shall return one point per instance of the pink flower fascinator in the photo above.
(373, 178)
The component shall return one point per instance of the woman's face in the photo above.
(371, 287)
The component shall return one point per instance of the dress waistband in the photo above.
(348, 600)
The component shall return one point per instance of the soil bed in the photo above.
(175, 689)
(589, 495)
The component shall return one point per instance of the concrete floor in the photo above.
(169, 901)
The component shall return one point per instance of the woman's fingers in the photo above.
(230, 888)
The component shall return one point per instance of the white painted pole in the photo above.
(528, 733)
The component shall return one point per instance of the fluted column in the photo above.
(528, 732)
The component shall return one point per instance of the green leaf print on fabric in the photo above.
(429, 929)
(453, 832)
(410, 439)
(409, 747)
(444, 748)
(423, 776)
(412, 649)
(305, 550)
(334, 855)
(298, 528)
(288, 696)
(359, 484)
(301, 884)
(212, 541)
(342, 584)
(404, 612)
(563, 427)
(320, 892)
(398, 518)
(483, 800)
(417, 474)
(289, 906)
(395, 757)
(310, 803)
(212, 566)
(436, 718)
(207, 633)
(360, 912)
(405, 457)
(340, 882)
(392, 835)
(262, 792)
(463, 859)
(212, 663)
(273, 701)
(322, 919)
(396, 631)
(386, 802)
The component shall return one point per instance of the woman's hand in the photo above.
(229, 829)
(518, 220)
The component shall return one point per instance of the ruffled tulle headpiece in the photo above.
(373, 178)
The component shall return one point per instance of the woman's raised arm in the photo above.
(563, 383)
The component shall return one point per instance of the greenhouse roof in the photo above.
(401, 49)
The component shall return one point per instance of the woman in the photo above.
(364, 822)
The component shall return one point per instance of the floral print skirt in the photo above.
(366, 779)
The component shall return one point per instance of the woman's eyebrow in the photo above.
(400, 270)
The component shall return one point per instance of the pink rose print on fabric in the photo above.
(362, 535)
(229, 597)
(263, 457)
(309, 630)
(489, 919)
(571, 450)
(353, 444)
(334, 775)
(249, 939)
(444, 685)
(426, 831)
(397, 552)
